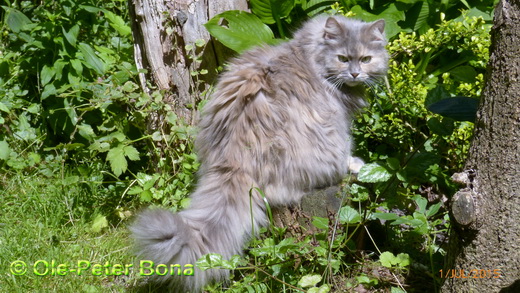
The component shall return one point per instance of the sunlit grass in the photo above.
(47, 224)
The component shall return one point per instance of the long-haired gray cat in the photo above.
(279, 120)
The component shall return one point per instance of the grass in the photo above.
(49, 221)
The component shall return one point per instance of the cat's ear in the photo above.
(378, 30)
(332, 29)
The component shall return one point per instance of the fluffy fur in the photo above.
(279, 120)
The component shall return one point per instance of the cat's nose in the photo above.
(354, 74)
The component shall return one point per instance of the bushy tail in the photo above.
(218, 221)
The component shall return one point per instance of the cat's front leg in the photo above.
(355, 164)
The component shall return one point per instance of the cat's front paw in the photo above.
(355, 164)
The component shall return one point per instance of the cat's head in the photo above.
(349, 52)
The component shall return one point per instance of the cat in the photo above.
(279, 120)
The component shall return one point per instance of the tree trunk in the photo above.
(484, 252)
(162, 31)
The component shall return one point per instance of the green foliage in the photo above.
(414, 134)
(68, 86)
(76, 127)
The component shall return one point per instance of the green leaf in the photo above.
(118, 23)
(432, 211)
(417, 16)
(86, 131)
(420, 162)
(325, 288)
(387, 259)
(15, 19)
(91, 60)
(349, 215)
(3, 107)
(99, 223)
(309, 281)
(313, 7)
(392, 15)
(386, 216)
(373, 172)
(358, 192)
(116, 157)
(76, 64)
(421, 203)
(146, 196)
(270, 10)
(46, 74)
(457, 108)
(71, 35)
(239, 30)
(34, 108)
(442, 128)
(320, 223)
(209, 261)
(131, 153)
(464, 74)
(435, 95)
(48, 90)
(5, 150)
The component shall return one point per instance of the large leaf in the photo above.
(442, 127)
(313, 7)
(392, 15)
(458, 108)
(71, 35)
(271, 10)
(464, 73)
(422, 16)
(373, 172)
(91, 59)
(116, 157)
(239, 30)
(436, 94)
(15, 19)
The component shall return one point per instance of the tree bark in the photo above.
(484, 251)
(162, 30)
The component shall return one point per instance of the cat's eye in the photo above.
(366, 59)
(343, 58)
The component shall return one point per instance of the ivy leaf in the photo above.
(239, 30)
(116, 157)
(373, 172)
